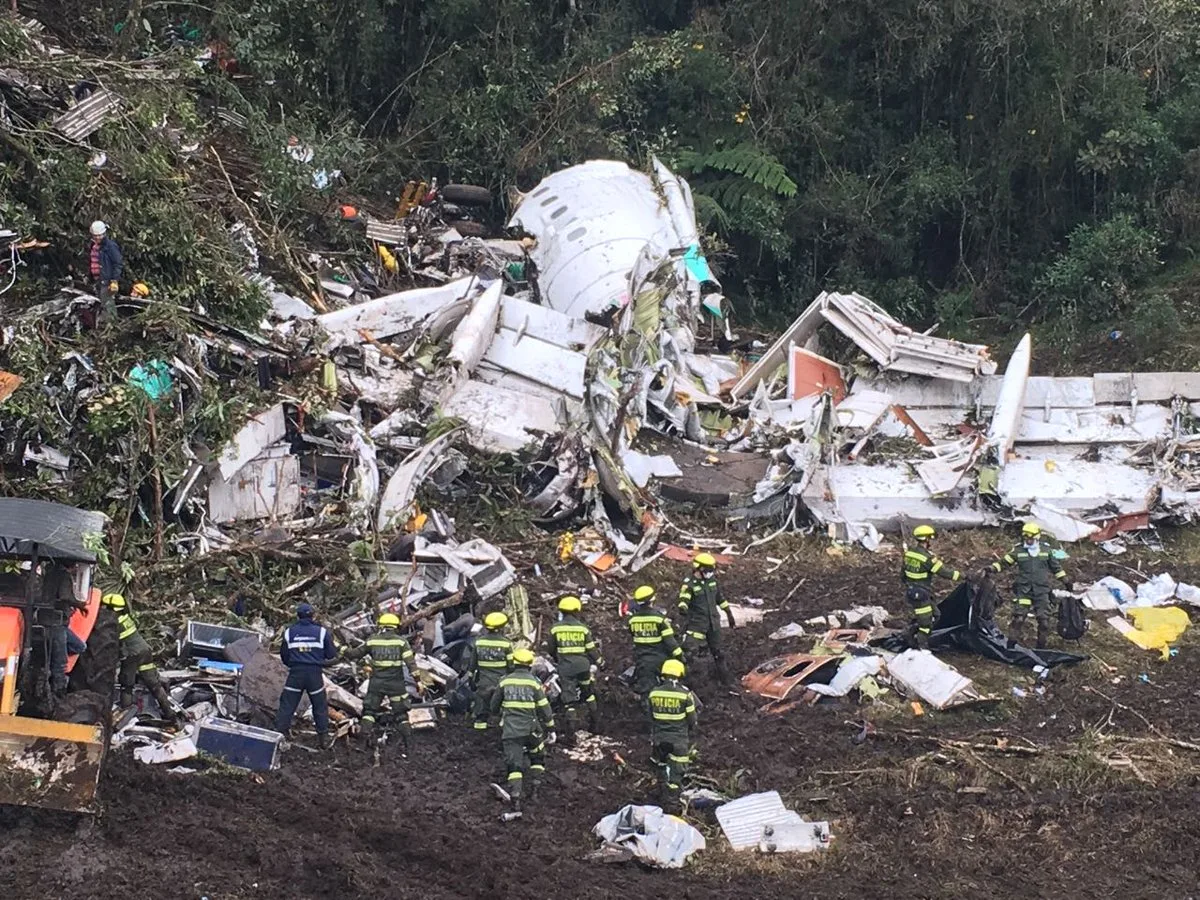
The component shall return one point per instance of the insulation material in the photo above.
(653, 837)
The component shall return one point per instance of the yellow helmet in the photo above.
(494, 621)
(570, 604)
(140, 289)
(1031, 529)
(672, 668)
(523, 657)
(389, 620)
(644, 594)
(116, 601)
(924, 532)
(704, 560)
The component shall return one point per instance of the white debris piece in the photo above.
(1002, 432)
(169, 752)
(1064, 526)
(762, 822)
(641, 467)
(852, 670)
(790, 630)
(938, 684)
(1109, 593)
(655, 838)
(395, 313)
(1158, 591)
(795, 837)
(260, 431)
(401, 490)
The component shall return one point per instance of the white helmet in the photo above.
(99, 228)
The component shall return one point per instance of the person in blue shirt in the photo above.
(306, 649)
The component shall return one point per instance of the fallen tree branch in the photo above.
(1122, 706)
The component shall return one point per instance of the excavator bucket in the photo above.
(46, 763)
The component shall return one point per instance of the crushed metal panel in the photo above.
(1097, 425)
(743, 820)
(259, 432)
(476, 330)
(266, 487)
(810, 373)
(1124, 387)
(87, 116)
(1076, 485)
(886, 496)
(395, 313)
(501, 420)
(938, 684)
(402, 487)
(777, 678)
(548, 324)
(862, 410)
(799, 332)
(538, 361)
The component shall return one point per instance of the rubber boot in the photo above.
(593, 716)
(535, 787)
(164, 702)
(1043, 633)
(126, 698)
(570, 726)
(325, 739)
(722, 671)
(405, 732)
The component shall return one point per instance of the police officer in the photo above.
(136, 659)
(391, 655)
(672, 729)
(489, 658)
(576, 658)
(526, 725)
(918, 568)
(699, 602)
(653, 640)
(306, 649)
(1037, 570)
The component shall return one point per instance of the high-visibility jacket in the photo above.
(521, 703)
(672, 712)
(131, 641)
(305, 643)
(920, 565)
(699, 601)
(652, 633)
(389, 652)
(489, 656)
(1035, 572)
(572, 646)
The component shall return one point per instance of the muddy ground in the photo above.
(1100, 805)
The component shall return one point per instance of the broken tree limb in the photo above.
(433, 608)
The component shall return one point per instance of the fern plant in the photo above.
(732, 179)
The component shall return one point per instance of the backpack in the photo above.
(1072, 624)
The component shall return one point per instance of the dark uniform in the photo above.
(305, 650)
(574, 652)
(653, 644)
(489, 657)
(672, 732)
(390, 655)
(919, 567)
(700, 605)
(58, 588)
(137, 662)
(1036, 573)
(525, 720)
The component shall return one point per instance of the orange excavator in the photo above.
(54, 704)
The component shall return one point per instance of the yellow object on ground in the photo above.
(1156, 627)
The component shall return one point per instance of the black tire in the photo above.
(96, 668)
(466, 195)
(469, 229)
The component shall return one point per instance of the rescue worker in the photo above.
(672, 730)
(917, 570)
(105, 265)
(58, 588)
(1037, 570)
(576, 658)
(489, 658)
(306, 649)
(653, 640)
(136, 659)
(526, 725)
(391, 655)
(699, 602)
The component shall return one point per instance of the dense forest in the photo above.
(984, 165)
